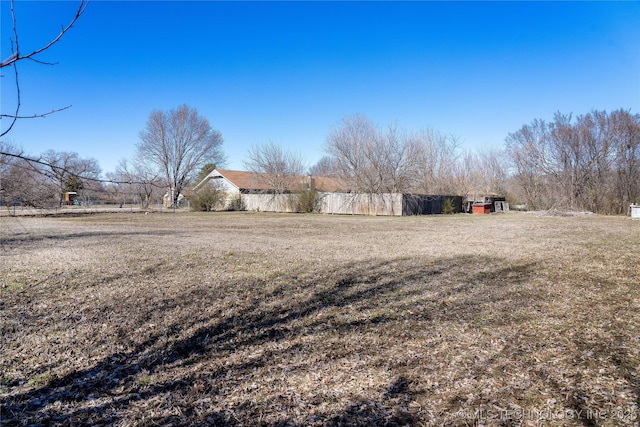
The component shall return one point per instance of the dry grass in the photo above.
(258, 319)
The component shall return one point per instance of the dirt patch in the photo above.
(259, 319)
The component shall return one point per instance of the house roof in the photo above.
(245, 180)
(329, 184)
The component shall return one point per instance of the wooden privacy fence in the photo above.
(387, 204)
(267, 202)
(329, 203)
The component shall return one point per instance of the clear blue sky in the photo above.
(289, 71)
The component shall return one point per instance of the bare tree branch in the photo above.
(35, 116)
(16, 56)
(60, 169)
(274, 167)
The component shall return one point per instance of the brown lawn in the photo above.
(308, 320)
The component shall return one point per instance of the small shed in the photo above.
(634, 211)
(70, 197)
(482, 208)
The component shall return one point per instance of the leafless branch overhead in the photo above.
(17, 56)
(35, 116)
(32, 161)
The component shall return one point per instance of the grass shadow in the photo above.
(204, 351)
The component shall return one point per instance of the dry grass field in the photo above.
(306, 320)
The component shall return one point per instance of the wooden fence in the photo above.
(329, 203)
(388, 204)
(267, 202)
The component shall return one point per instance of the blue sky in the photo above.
(289, 71)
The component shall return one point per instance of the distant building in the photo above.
(257, 194)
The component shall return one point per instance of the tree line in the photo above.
(42, 181)
(590, 162)
(374, 159)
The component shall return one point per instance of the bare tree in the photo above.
(491, 171)
(137, 181)
(627, 158)
(589, 162)
(475, 174)
(18, 55)
(594, 139)
(23, 185)
(177, 144)
(461, 177)
(41, 182)
(369, 160)
(275, 168)
(349, 144)
(326, 166)
(435, 163)
(68, 171)
(8, 156)
(393, 160)
(10, 181)
(374, 160)
(528, 150)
